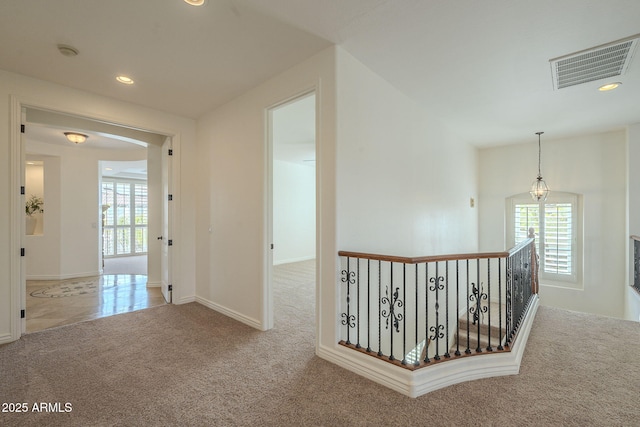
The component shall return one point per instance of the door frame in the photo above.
(268, 310)
(17, 273)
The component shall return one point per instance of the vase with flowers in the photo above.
(33, 206)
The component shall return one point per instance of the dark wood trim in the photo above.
(417, 260)
(435, 258)
(412, 367)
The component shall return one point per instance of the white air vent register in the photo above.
(593, 64)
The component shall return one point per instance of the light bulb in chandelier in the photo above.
(539, 189)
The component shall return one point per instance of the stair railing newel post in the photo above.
(535, 262)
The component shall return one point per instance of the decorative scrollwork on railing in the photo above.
(349, 320)
(437, 283)
(394, 303)
(477, 296)
(636, 264)
(437, 330)
(422, 313)
(348, 276)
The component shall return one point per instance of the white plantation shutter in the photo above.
(125, 228)
(526, 215)
(556, 228)
(558, 238)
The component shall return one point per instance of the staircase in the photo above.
(479, 342)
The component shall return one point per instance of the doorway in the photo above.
(70, 283)
(292, 224)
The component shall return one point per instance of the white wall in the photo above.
(404, 186)
(43, 248)
(72, 201)
(232, 262)
(294, 212)
(18, 90)
(591, 165)
(404, 182)
(632, 306)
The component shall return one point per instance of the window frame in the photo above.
(132, 227)
(573, 280)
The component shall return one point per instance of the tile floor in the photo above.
(52, 303)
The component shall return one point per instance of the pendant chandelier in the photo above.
(539, 190)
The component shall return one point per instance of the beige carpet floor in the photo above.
(190, 366)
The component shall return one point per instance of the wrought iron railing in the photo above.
(414, 312)
(636, 262)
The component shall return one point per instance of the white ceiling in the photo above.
(482, 67)
(54, 135)
(48, 134)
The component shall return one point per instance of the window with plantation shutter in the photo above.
(556, 226)
(125, 221)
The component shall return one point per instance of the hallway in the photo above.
(52, 303)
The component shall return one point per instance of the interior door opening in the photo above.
(292, 224)
(63, 279)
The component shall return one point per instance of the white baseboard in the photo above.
(230, 313)
(185, 300)
(153, 284)
(61, 276)
(6, 338)
(421, 381)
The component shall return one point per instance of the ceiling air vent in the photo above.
(597, 63)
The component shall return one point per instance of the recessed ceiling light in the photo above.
(195, 2)
(108, 169)
(609, 86)
(125, 80)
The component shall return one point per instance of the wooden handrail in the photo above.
(436, 258)
(520, 245)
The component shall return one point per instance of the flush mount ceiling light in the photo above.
(76, 138)
(67, 50)
(609, 86)
(539, 190)
(195, 2)
(125, 80)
